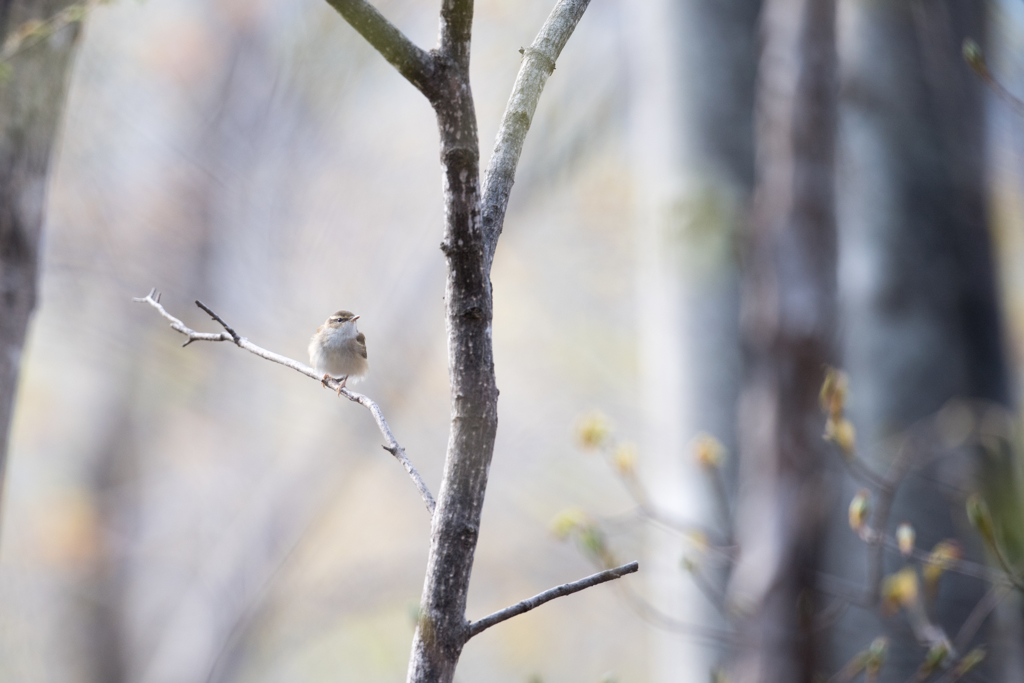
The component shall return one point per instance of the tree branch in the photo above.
(538, 63)
(515, 610)
(416, 64)
(978, 615)
(887, 493)
(392, 446)
(457, 30)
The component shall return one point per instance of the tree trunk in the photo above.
(31, 103)
(916, 275)
(441, 630)
(692, 138)
(788, 321)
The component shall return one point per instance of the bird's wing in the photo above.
(361, 344)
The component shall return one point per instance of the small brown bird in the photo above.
(338, 349)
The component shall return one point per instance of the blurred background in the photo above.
(200, 515)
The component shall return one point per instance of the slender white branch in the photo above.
(392, 446)
(538, 63)
(558, 591)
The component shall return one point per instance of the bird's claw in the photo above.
(323, 381)
(341, 384)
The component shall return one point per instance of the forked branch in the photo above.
(392, 446)
(515, 610)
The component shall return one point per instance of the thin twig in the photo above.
(965, 567)
(654, 616)
(1011, 574)
(635, 488)
(831, 614)
(861, 471)
(975, 58)
(392, 446)
(851, 670)
(234, 335)
(886, 495)
(477, 627)
(958, 670)
(722, 499)
(978, 615)
(713, 595)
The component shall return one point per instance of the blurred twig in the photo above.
(886, 495)
(975, 58)
(31, 32)
(656, 617)
(392, 446)
(978, 615)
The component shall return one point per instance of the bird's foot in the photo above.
(323, 381)
(341, 384)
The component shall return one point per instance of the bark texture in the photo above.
(787, 321)
(441, 631)
(31, 103)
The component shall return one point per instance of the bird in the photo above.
(338, 349)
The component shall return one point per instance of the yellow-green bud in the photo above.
(832, 396)
(969, 661)
(935, 657)
(905, 538)
(876, 655)
(939, 560)
(708, 451)
(624, 458)
(593, 430)
(899, 590)
(973, 55)
(859, 509)
(842, 432)
(980, 518)
(567, 522)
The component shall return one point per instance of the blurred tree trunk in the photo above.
(692, 132)
(916, 275)
(31, 103)
(787, 321)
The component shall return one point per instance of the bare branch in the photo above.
(392, 446)
(654, 616)
(234, 335)
(515, 610)
(964, 567)
(860, 470)
(975, 58)
(978, 615)
(538, 63)
(886, 495)
(1011, 573)
(416, 64)
(153, 299)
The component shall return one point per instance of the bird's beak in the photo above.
(355, 318)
